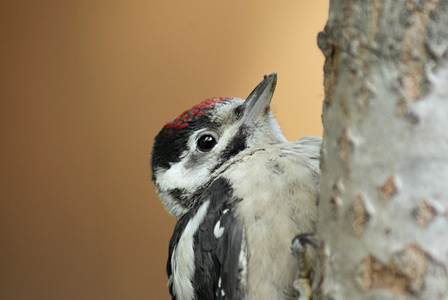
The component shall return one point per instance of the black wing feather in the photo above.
(216, 258)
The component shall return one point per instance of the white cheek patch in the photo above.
(178, 176)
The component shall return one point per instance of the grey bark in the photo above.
(383, 220)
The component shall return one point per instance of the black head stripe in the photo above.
(169, 144)
(236, 145)
(173, 138)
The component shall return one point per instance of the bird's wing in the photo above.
(219, 269)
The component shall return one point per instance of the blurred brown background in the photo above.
(84, 88)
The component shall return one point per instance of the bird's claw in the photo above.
(298, 248)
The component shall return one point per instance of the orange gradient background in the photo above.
(85, 85)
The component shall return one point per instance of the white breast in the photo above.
(278, 186)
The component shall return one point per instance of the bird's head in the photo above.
(189, 151)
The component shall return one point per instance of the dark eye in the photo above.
(207, 140)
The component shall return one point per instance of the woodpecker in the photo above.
(243, 197)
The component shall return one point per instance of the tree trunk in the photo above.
(384, 191)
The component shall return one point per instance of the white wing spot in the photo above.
(219, 282)
(225, 211)
(218, 231)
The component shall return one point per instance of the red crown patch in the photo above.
(193, 114)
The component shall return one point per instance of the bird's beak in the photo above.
(259, 99)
